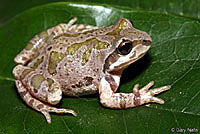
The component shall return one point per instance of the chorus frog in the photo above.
(78, 60)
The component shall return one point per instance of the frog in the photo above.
(79, 59)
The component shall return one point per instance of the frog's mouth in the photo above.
(125, 65)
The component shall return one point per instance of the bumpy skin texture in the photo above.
(79, 60)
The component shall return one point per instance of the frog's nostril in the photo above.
(146, 42)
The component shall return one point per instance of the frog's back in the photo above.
(75, 60)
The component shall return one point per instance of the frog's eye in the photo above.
(124, 48)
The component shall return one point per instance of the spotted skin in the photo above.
(40, 40)
(78, 59)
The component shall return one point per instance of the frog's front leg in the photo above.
(109, 98)
(35, 89)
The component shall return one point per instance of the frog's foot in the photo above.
(109, 98)
(38, 105)
(45, 111)
(145, 95)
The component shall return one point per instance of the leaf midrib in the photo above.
(6, 78)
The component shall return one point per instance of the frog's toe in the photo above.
(47, 109)
(159, 90)
(147, 95)
(146, 88)
(157, 100)
(146, 98)
(47, 116)
(61, 110)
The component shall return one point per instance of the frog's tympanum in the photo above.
(78, 60)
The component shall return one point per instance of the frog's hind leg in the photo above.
(40, 40)
(38, 105)
(36, 97)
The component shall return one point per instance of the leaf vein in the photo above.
(24, 124)
(186, 71)
(69, 130)
(176, 119)
(6, 78)
(190, 101)
(124, 121)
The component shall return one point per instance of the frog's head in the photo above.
(130, 45)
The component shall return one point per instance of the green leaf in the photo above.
(173, 59)
(10, 8)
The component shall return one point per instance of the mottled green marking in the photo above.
(116, 32)
(43, 34)
(29, 46)
(52, 90)
(73, 48)
(25, 72)
(46, 38)
(96, 43)
(54, 59)
(50, 81)
(37, 80)
(68, 35)
(86, 56)
(49, 38)
(101, 45)
(69, 60)
(67, 71)
(38, 62)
